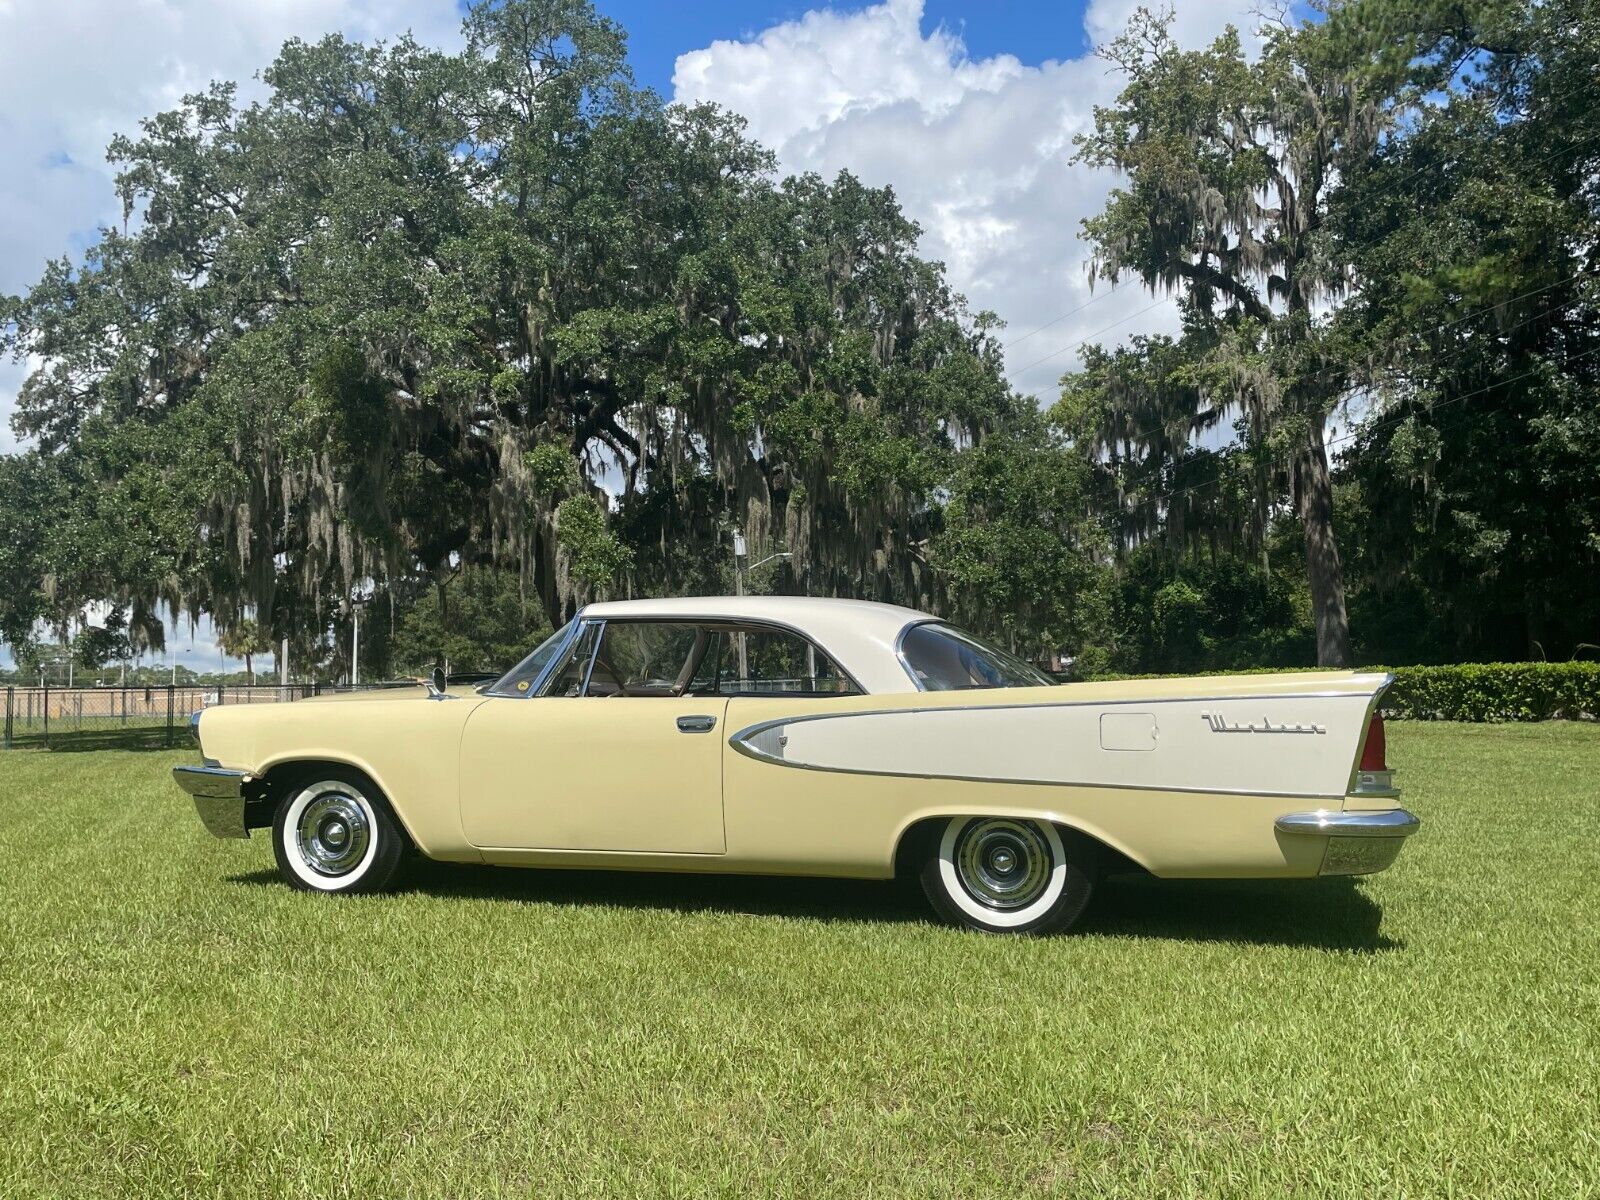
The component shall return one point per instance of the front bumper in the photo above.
(218, 797)
(1355, 843)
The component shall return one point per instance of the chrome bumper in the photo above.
(218, 797)
(1356, 843)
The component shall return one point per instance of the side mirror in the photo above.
(437, 682)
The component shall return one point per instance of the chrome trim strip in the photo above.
(749, 742)
(218, 797)
(1383, 823)
(752, 622)
(1107, 703)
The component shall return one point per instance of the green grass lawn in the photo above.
(178, 1021)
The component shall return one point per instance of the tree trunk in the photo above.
(1314, 492)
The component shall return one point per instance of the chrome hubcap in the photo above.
(1003, 864)
(333, 834)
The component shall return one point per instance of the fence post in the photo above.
(47, 715)
(11, 695)
(169, 716)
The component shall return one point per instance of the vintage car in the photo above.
(814, 737)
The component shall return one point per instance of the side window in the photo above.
(646, 658)
(765, 661)
(942, 659)
(567, 679)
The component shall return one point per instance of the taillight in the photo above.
(1374, 752)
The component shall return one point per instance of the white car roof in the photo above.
(860, 635)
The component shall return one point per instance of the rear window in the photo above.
(942, 658)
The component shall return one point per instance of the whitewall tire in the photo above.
(1009, 875)
(335, 834)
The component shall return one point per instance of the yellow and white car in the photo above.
(815, 737)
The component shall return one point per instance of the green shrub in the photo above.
(1526, 691)
(1531, 691)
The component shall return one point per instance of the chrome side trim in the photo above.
(1147, 701)
(1381, 823)
(218, 797)
(194, 725)
(765, 742)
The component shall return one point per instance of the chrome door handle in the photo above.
(696, 724)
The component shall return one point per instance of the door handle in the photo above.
(696, 724)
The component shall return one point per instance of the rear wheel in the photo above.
(335, 834)
(1007, 875)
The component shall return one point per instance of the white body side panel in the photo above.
(1286, 745)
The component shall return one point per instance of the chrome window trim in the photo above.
(594, 654)
(753, 623)
(900, 650)
(536, 687)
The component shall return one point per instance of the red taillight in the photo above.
(1373, 754)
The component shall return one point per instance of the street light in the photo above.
(738, 590)
(739, 552)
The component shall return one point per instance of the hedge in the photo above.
(1525, 691)
(1530, 691)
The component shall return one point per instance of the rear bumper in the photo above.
(218, 797)
(1355, 843)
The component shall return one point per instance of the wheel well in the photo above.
(917, 838)
(281, 779)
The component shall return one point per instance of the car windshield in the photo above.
(942, 659)
(520, 679)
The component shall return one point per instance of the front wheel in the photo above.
(1006, 875)
(336, 835)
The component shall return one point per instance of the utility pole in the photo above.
(283, 664)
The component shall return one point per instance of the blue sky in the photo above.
(967, 110)
(1032, 30)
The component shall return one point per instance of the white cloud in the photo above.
(73, 73)
(979, 152)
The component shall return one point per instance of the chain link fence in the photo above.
(133, 716)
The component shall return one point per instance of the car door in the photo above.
(612, 755)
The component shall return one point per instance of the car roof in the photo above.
(860, 635)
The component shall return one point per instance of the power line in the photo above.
(1139, 436)
(1092, 336)
(1339, 441)
(1111, 291)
